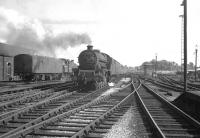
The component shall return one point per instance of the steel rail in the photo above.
(97, 121)
(12, 96)
(30, 97)
(76, 109)
(94, 123)
(168, 81)
(161, 110)
(52, 113)
(165, 85)
(55, 97)
(97, 133)
(182, 84)
(40, 86)
(23, 99)
(59, 117)
(36, 127)
(29, 107)
(194, 85)
(156, 128)
(180, 112)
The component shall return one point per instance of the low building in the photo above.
(148, 69)
(7, 53)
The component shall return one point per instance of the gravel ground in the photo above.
(125, 127)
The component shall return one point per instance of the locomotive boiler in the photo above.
(96, 68)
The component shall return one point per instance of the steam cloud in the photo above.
(34, 35)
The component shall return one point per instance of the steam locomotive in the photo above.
(96, 68)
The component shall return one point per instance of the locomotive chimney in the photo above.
(89, 47)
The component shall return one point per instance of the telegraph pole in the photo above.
(156, 65)
(196, 63)
(182, 39)
(184, 4)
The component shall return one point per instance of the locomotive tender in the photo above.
(96, 68)
(32, 67)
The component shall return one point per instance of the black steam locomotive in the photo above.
(96, 68)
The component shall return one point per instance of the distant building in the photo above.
(148, 69)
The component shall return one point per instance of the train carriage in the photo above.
(17, 63)
(32, 67)
(116, 68)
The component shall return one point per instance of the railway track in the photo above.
(171, 84)
(17, 105)
(166, 85)
(30, 95)
(80, 120)
(44, 110)
(14, 91)
(126, 121)
(190, 86)
(17, 84)
(12, 96)
(92, 117)
(166, 119)
(165, 80)
(32, 91)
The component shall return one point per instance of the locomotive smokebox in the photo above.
(89, 47)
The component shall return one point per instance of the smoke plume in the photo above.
(21, 31)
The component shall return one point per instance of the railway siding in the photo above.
(19, 104)
(94, 114)
(99, 119)
(47, 111)
(86, 116)
(167, 119)
(186, 116)
(29, 87)
(51, 99)
(13, 96)
(11, 113)
(35, 95)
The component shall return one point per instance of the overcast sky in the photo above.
(131, 31)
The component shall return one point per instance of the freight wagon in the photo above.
(32, 67)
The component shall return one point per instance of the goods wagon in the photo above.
(116, 68)
(31, 67)
(96, 68)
